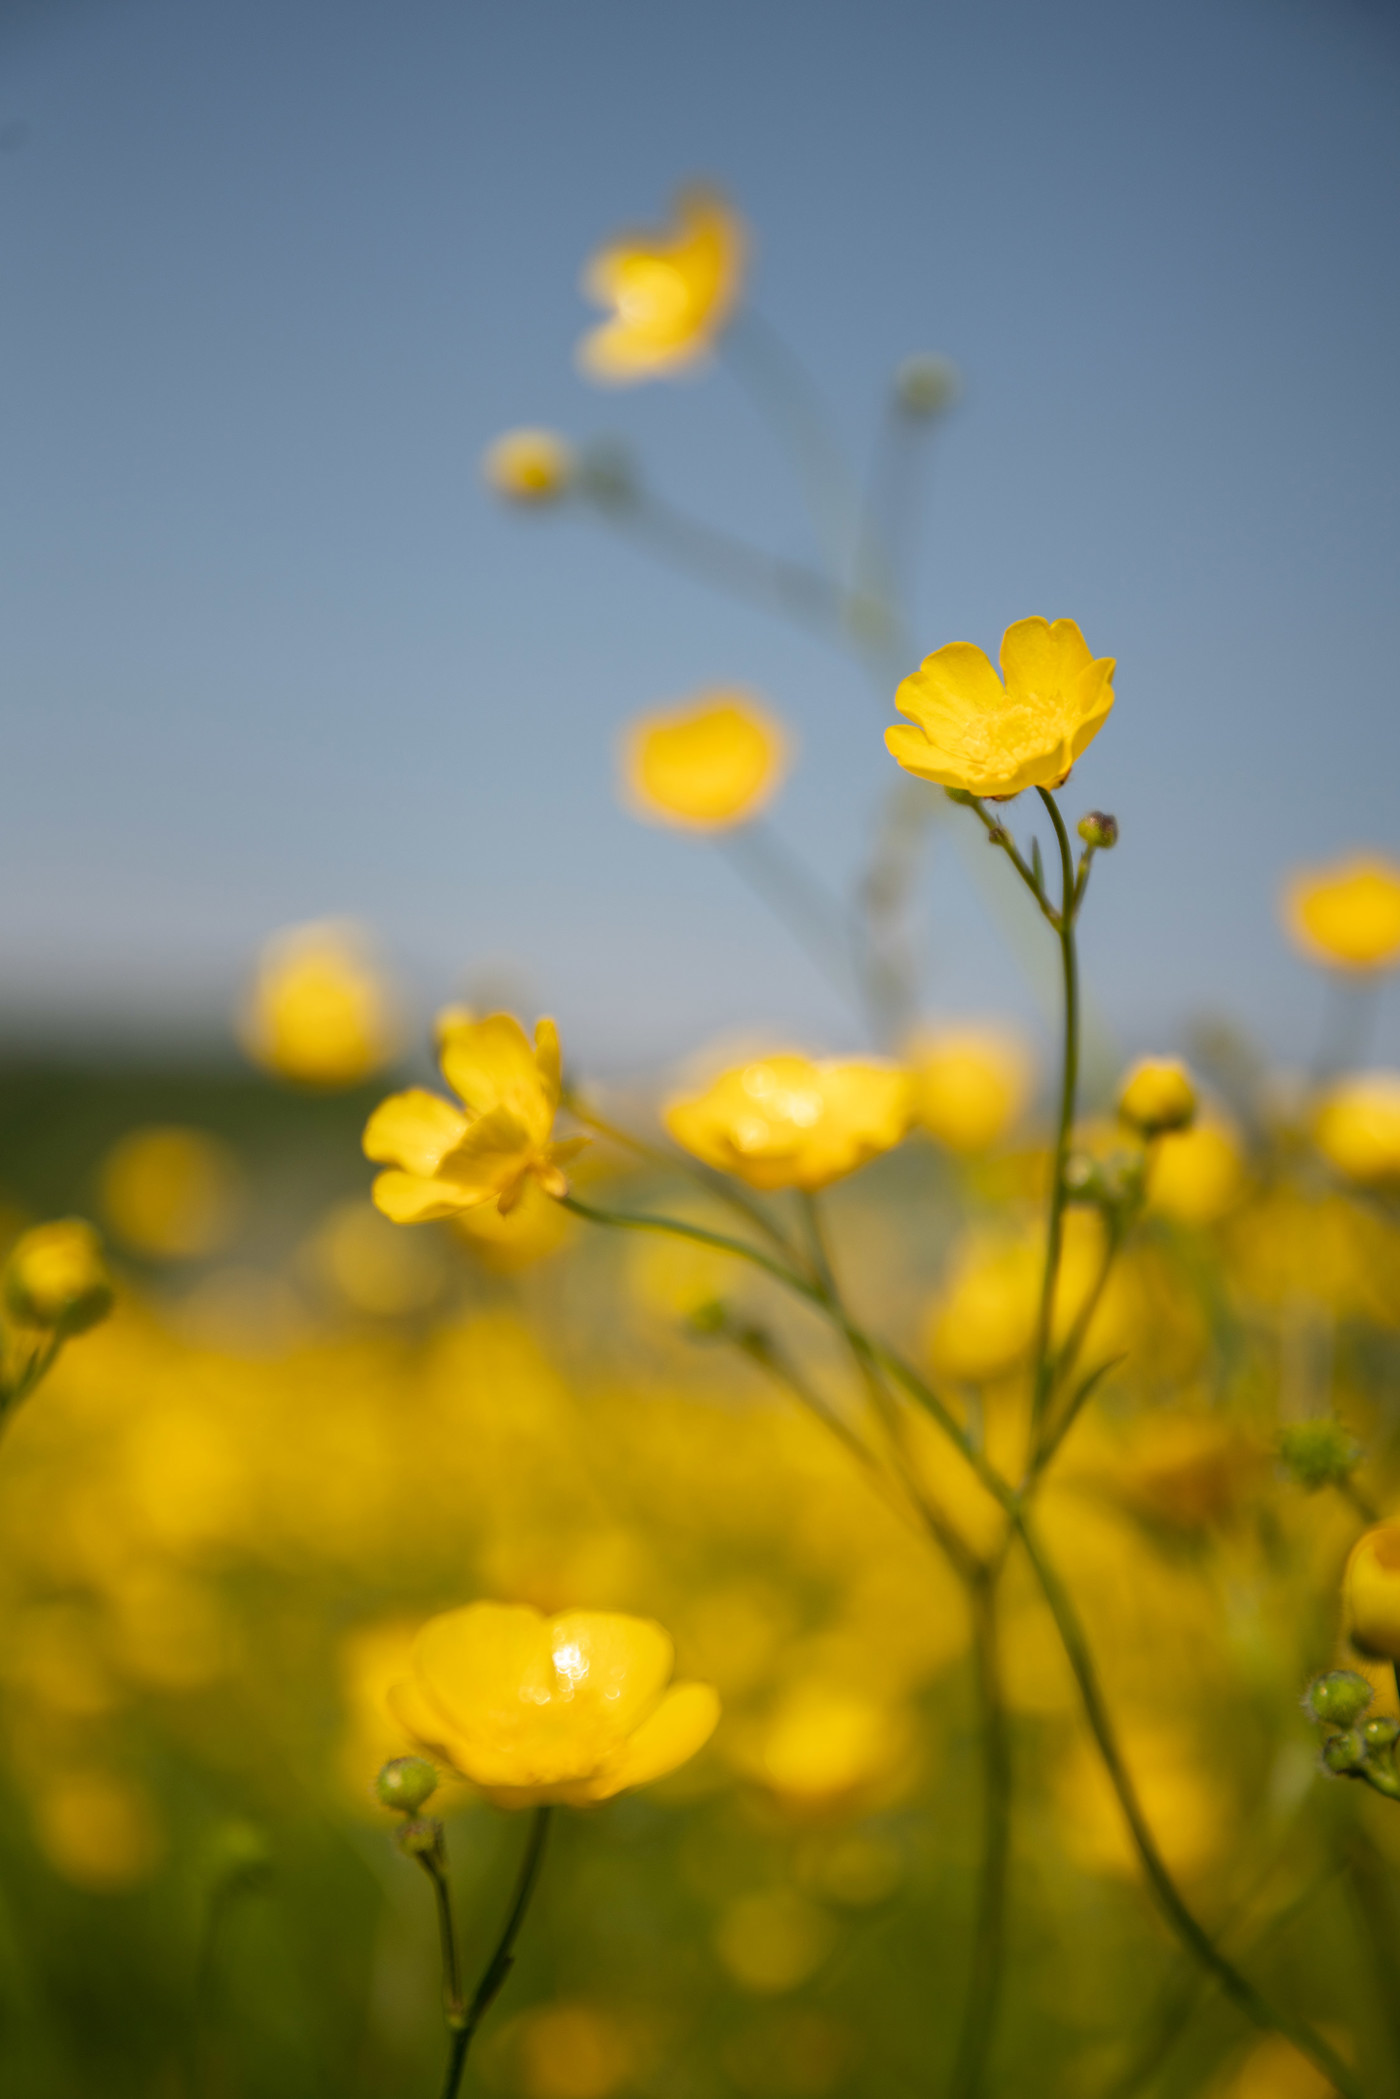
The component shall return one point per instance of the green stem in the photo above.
(815, 919)
(989, 1932)
(1069, 1083)
(786, 588)
(1182, 1919)
(465, 2023)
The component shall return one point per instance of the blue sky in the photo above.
(274, 275)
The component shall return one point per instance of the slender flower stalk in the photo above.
(1070, 895)
(464, 2019)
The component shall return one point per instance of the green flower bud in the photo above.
(1381, 1734)
(1344, 1754)
(56, 1279)
(1099, 831)
(405, 1783)
(1339, 1698)
(926, 385)
(1319, 1453)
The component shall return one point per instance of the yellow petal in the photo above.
(413, 1130)
(615, 1665)
(1040, 659)
(683, 1722)
(409, 1198)
(484, 1059)
(955, 682)
(548, 1059)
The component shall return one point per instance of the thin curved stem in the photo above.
(786, 588)
(501, 1961)
(1183, 1921)
(984, 1989)
(1069, 1085)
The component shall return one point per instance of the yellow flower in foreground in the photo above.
(529, 466)
(671, 293)
(1157, 1095)
(1358, 1128)
(713, 761)
(56, 1279)
(974, 733)
(786, 1122)
(1371, 1591)
(442, 1158)
(535, 1709)
(320, 1011)
(970, 1084)
(1347, 915)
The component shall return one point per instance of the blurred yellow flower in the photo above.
(320, 1012)
(534, 1709)
(1371, 1592)
(529, 466)
(443, 1159)
(1179, 1794)
(372, 1268)
(1346, 915)
(1358, 1128)
(56, 1278)
(826, 1745)
(98, 1830)
(716, 760)
(171, 1192)
(982, 1323)
(985, 738)
(787, 1122)
(1196, 1174)
(573, 2051)
(1157, 1095)
(1273, 2069)
(671, 293)
(970, 1084)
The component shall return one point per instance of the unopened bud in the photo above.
(1318, 1453)
(56, 1277)
(606, 475)
(529, 466)
(1339, 1698)
(709, 1318)
(1371, 1592)
(1099, 831)
(1344, 1753)
(1381, 1734)
(405, 1783)
(1157, 1096)
(925, 385)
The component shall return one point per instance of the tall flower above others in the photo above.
(786, 1122)
(1348, 915)
(974, 733)
(714, 761)
(533, 1709)
(444, 1158)
(671, 293)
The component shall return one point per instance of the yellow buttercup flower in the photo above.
(974, 733)
(970, 1084)
(529, 466)
(716, 760)
(532, 1709)
(786, 1122)
(320, 1011)
(671, 293)
(1371, 1591)
(1358, 1128)
(1347, 915)
(1157, 1095)
(442, 1158)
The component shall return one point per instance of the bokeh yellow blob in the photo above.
(716, 760)
(772, 1941)
(1358, 1128)
(1196, 1175)
(573, 2051)
(531, 467)
(970, 1084)
(321, 1011)
(374, 1268)
(1347, 915)
(171, 1192)
(98, 1830)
